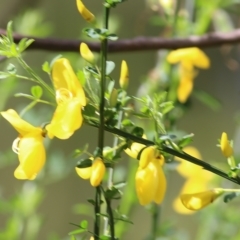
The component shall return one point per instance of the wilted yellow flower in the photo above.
(150, 179)
(29, 146)
(124, 75)
(197, 201)
(98, 171)
(86, 53)
(225, 146)
(86, 14)
(70, 98)
(188, 59)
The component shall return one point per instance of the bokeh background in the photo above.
(44, 209)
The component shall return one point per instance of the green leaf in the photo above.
(112, 193)
(229, 197)
(24, 43)
(81, 77)
(84, 224)
(46, 67)
(4, 75)
(127, 123)
(84, 163)
(11, 69)
(186, 140)
(112, 37)
(36, 91)
(207, 99)
(137, 131)
(77, 231)
(92, 70)
(109, 67)
(9, 31)
(24, 95)
(89, 110)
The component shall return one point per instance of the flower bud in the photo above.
(86, 53)
(113, 98)
(124, 76)
(98, 171)
(225, 146)
(86, 14)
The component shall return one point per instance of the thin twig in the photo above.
(134, 44)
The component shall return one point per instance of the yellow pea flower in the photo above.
(29, 146)
(150, 179)
(70, 98)
(226, 148)
(188, 59)
(86, 14)
(86, 53)
(98, 171)
(197, 201)
(124, 75)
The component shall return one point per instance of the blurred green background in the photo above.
(59, 189)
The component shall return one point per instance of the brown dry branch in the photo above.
(134, 44)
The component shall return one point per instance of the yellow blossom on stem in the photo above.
(29, 146)
(150, 179)
(124, 75)
(86, 14)
(98, 171)
(86, 53)
(226, 148)
(197, 201)
(70, 99)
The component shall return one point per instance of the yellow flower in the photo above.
(150, 179)
(188, 59)
(86, 14)
(86, 53)
(197, 201)
(124, 75)
(29, 146)
(225, 146)
(95, 172)
(70, 98)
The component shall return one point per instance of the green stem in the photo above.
(97, 209)
(171, 151)
(35, 76)
(155, 221)
(104, 44)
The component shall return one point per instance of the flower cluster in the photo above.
(188, 59)
(66, 119)
(150, 179)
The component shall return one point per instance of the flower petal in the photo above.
(66, 119)
(18, 123)
(32, 156)
(64, 78)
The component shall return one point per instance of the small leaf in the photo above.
(137, 131)
(127, 123)
(9, 31)
(229, 197)
(109, 67)
(112, 37)
(4, 75)
(84, 163)
(11, 69)
(84, 224)
(37, 91)
(76, 231)
(46, 67)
